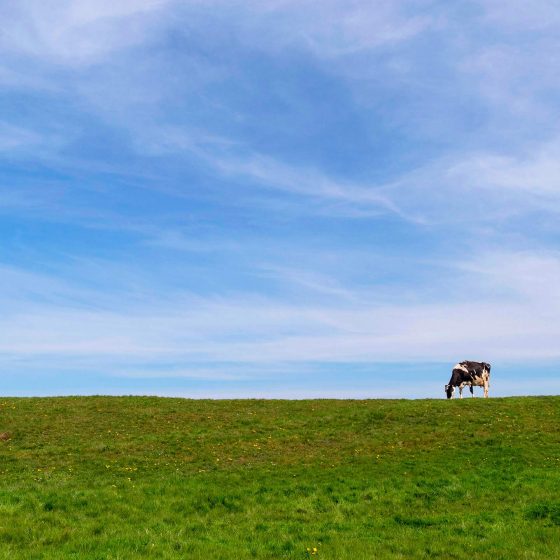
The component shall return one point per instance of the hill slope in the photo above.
(136, 477)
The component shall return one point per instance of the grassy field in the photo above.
(138, 477)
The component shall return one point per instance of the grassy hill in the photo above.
(135, 477)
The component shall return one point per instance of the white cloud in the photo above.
(332, 28)
(87, 31)
(15, 138)
(242, 331)
(521, 15)
(231, 160)
(536, 172)
(269, 173)
(507, 310)
(308, 281)
(481, 191)
(77, 31)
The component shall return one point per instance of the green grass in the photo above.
(138, 477)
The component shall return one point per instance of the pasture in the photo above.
(142, 477)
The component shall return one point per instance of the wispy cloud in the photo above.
(310, 281)
(333, 29)
(14, 139)
(534, 172)
(267, 173)
(77, 32)
(513, 317)
(539, 15)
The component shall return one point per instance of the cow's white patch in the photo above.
(461, 367)
(483, 381)
(461, 387)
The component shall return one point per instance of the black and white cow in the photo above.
(469, 374)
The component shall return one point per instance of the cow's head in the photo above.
(449, 390)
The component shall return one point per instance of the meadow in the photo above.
(145, 477)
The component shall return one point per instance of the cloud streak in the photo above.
(81, 32)
(521, 324)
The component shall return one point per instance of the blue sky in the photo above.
(279, 198)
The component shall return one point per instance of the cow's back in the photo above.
(479, 372)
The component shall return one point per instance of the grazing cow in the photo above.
(469, 374)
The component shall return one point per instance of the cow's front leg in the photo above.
(472, 391)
